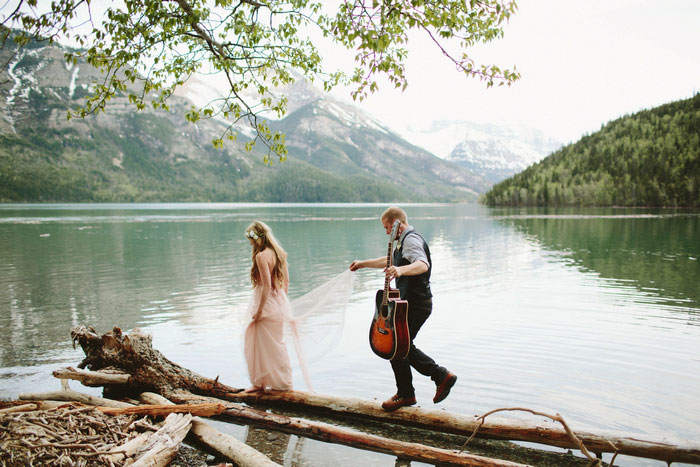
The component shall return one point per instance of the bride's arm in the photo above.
(263, 263)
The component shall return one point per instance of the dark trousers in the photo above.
(418, 312)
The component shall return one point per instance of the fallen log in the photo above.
(225, 445)
(149, 370)
(153, 410)
(543, 432)
(329, 433)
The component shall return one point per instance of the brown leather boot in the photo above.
(443, 389)
(396, 402)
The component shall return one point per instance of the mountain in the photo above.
(336, 136)
(489, 151)
(336, 152)
(650, 158)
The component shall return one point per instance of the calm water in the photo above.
(594, 314)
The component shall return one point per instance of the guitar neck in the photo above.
(386, 279)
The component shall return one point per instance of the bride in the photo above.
(265, 350)
(271, 315)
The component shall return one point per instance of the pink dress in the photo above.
(264, 346)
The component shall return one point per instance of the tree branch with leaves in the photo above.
(146, 49)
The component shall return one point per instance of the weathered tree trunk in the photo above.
(150, 370)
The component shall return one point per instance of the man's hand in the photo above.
(392, 272)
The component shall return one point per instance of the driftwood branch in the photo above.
(92, 378)
(225, 445)
(556, 418)
(155, 410)
(68, 395)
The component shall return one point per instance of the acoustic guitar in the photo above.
(388, 335)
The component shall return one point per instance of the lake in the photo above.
(591, 313)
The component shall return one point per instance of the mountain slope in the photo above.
(651, 158)
(334, 136)
(124, 155)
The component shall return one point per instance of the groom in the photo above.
(411, 269)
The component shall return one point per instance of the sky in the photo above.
(583, 64)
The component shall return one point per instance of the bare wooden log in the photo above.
(155, 449)
(206, 409)
(29, 407)
(69, 395)
(333, 434)
(92, 378)
(225, 445)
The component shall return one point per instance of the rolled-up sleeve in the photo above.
(413, 249)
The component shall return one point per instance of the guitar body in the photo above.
(389, 337)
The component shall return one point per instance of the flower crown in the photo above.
(253, 235)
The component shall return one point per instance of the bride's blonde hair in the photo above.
(263, 238)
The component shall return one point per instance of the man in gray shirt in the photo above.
(411, 268)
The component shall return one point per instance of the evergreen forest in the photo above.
(651, 158)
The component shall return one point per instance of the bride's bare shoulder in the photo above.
(266, 255)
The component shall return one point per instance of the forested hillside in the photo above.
(122, 155)
(651, 158)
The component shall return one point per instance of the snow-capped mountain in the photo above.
(337, 135)
(490, 151)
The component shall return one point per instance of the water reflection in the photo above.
(657, 254)
(274, 444)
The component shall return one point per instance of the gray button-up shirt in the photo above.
(413, 247)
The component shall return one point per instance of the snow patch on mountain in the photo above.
(492, 151)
